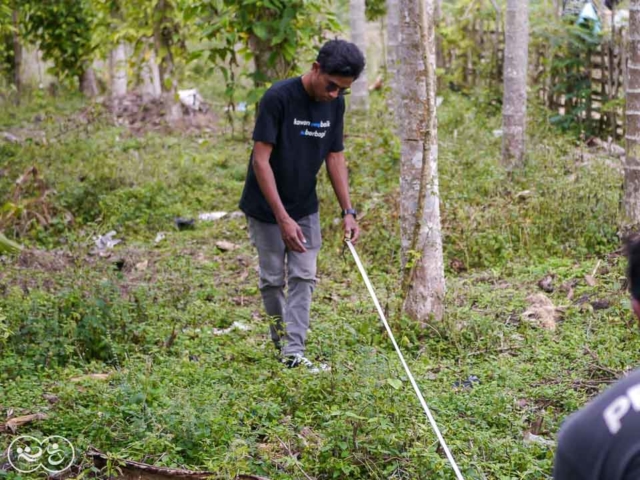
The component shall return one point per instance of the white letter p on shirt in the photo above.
(614, 412)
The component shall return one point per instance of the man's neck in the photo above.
(306, 83)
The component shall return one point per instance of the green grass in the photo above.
(222, 402)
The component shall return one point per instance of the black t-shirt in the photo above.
(602, 441)
(302, 132)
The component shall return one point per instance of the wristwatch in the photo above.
(350, 211)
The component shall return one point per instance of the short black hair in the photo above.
(632, 250)
(341, 58)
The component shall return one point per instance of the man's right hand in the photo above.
(292, 235)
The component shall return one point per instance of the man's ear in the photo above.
(315, 67)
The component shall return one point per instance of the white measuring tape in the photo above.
(404, 364)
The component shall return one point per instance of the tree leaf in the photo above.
(8, 246)
(260, 31)
(395, 383)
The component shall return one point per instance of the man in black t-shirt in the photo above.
(602, 441)
(299, 126)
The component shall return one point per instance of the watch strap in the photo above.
(350, 211)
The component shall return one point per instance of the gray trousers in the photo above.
(290, 316)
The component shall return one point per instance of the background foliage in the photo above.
(184, 391)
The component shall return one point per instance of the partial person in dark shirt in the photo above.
(602, 441)
(299, 126)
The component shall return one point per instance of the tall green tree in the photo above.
(111, 35)
(63, 30)
(272, 33)
(157, 31)
(11, 44)
(17, 50)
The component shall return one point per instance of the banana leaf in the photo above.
(8, 246)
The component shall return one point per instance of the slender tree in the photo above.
(63, 31)
(423, 266)
(88, 82)
(393, 38)
(118, 70)
(275, 33)
(150, 74)
(439, 51)
(153, 33)
(358, 21)
(269, 65)
(118, 56)
(632, 170)
(514, 106)
(17, 54)
(165, 31)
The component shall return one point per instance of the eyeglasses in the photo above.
(332, 87)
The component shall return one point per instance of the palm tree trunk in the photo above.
(118, 68)
(632, 167)
(163, 33)
(150, 74)
(393, 39)
(88, 83)
(358, 21)
(439, 51)
(423, 280)
(514, 107)
(17, 55)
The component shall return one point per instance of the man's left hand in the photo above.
(351, 228)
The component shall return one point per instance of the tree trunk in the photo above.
(514, 107)
(267, 71)
(393, 39)
(118, 70)
(88, 83)
(17, 56)
(173, 108)
(496, 43)
(632, 167)
(358, 21)
(439, 51)
(163, 33)
(383, 42)
(150, 74)
(423, 279)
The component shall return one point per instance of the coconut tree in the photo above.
(423, 266)
(632, 166)
(514, 106)
(358, 21)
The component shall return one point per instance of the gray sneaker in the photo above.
(293, 361)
